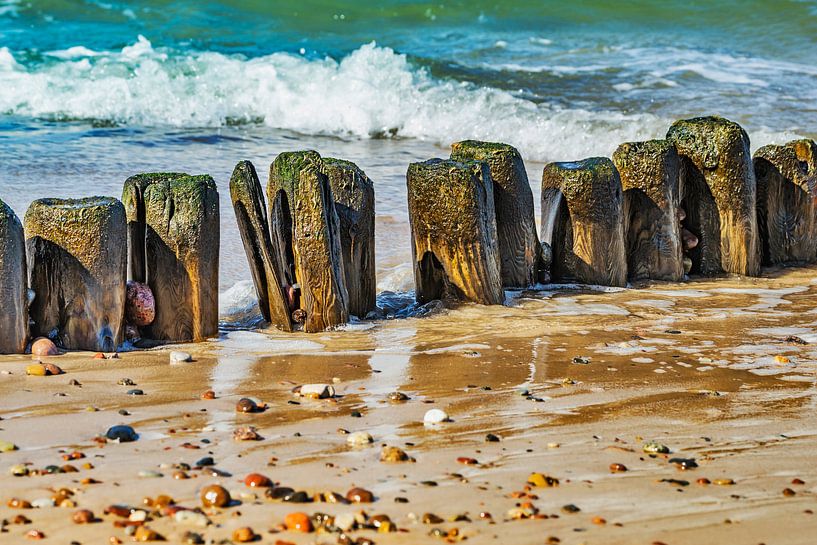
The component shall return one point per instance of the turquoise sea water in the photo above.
(92, 91)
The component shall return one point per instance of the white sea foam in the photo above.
(372, 92)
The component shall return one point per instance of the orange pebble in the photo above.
(298, 522)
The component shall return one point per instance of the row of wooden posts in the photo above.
(310, 244)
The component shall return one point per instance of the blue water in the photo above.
(93, 91)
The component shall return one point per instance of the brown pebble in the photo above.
(797, 481)
(599, 520)
(393, 455)
(44, 347)
(246, 405)
(256, 480)
(703, 480)
(143, 534)
(83, 516)
(99, 356)
(20, 519)
(464, 460)
(51, 369)
(359, 495)
(17, 503)
(617, 468)
(788, 492)
(246, 433)
(431, 518)
(244, 535)
(215, 495)
(35, 534)
(209, 394)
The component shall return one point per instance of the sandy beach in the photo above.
(720, 372)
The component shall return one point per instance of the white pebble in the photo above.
(345, 521)
(359, 439)
(435, 416)
(41, 503)
(191, 518)
(319, 391)
(180, 357)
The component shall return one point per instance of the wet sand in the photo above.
(720, 371)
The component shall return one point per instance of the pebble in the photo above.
(42, 503)
(464, 460)
(150, 474)
(36, 370)
(435, 416)
(317, 391)
(140, 305)
(683, 463)
(256, 480)
(540, 480)
(18, 470)
(393, 455)
(723, 482)
(83, 516)
(345, 521)
(123, 434)
(617, 468)
(397, 397)
(177, 356)
(298, 522)
(144, 534)
(655, 448)
(359, 495)
(35, 534)
(491, 438)
(51, 369)
(246, 405)
(244, 535)
(359, 439)
(246, 433)
(209, 394)
(135, 392)
(44, 347)
(215, 495)
(7, 446)
(125, 382)
(191, 518)
(431, 518)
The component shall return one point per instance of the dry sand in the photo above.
(704, 368)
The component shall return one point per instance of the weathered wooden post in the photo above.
(453, 226)
(519, 249)
(787, 201)
(251, 214)
(650, 177)
(77, 268)
(582, 220)
(306, 240)
(178, 255)
(719, 195)
(353, 193)
(13, 283)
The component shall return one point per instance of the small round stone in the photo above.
(491, 438)
(209, 394)
(83, 516)
(435, 416)
(298, 522)
(215, 495)
(140, 305)
(244, 535)
(359, 495)
(43, 346)
(256, 480)
(246, 405)
(123, 434)
(398, 397)
(617, 468)
(393, 455)
(178, 356)
(359, 439)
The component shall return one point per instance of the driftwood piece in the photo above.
(77, 268)
(719, 195)
(787, 201)
(306, 239)
(454, 237)
(13, 283)
(251, 214)
(582, 207)
(180, 220)
(353, 193)
(519, 249)
(650, 177)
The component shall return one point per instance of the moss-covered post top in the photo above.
(645, 166)
(49, 216)
(285, 170)
(591, 186)
(350, 185)
(448, 192)
(483, 151)
(796, 160)
(7, 216)
(710, 141)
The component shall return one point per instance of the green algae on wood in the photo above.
(787, 202)
(453, 232)
(13, 283)
(353, 193)
(180, 215)
(306, 240)
(251, 214)
(519, 249)
(582, 220)
(77, 265)
(719, 195)
(650, 177)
